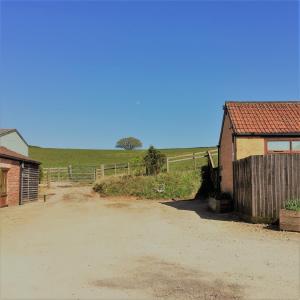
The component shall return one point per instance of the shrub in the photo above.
(207, 187)
(292, 204)
(163, 186)
(154, 161)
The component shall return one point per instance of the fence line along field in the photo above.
(185, 162)
(54, 158)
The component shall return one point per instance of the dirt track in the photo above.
(78, 246)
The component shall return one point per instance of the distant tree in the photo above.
(154, 161)
(129, 143)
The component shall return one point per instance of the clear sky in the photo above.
(83, 74)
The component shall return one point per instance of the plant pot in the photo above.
(220, 205)
(289, 220)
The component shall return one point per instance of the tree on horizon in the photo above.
(129, 143)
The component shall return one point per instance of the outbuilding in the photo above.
(256, 128)
(19, 178)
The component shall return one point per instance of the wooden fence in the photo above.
(262, 184)
(89, 174)
(190, 161)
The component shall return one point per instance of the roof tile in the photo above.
(264, 117)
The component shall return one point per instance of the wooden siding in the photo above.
(262, 184)
(30, 183)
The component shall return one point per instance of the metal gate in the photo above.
(29, 182)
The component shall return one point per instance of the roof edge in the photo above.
(15, 130)
(264, 102)
(292, 134)
(20, 159)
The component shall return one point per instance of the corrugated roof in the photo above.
(6, 153)
(264, 117)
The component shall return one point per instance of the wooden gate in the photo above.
(29, 183)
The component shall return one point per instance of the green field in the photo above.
(54, 157)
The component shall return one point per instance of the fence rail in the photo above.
(197, 159)
(262, 184)
(89, 174)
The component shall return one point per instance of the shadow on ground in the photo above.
(200, 207)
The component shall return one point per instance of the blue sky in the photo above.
(83, 74)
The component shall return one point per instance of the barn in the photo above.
(256, 128)
(19, 175)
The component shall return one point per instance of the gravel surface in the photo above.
(80, 246)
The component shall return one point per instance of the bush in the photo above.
(163, 186)
(154, 161)
(207, 187)
(292, 204)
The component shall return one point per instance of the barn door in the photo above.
(30, 183)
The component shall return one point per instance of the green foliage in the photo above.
(154, 161)
(292, 204)
(129, 143)
(137, 166)
(163, 186)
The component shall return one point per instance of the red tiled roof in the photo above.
(6, 153)
(264, 117)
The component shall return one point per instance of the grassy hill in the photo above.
(54, 157)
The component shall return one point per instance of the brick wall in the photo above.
(226, 157)
(13, 180)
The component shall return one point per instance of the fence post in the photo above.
(168, 166)
(70, 172)
(102, 171)
(48, 178)
(95, 173)
(194, 159)
(128, 168)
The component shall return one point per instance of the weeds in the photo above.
(293, 204)
(163, 186)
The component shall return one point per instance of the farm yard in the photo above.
(81, 246)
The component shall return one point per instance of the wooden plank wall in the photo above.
(242, 186)
(30, 183)
(262, 184)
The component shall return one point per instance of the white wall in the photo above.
(13, 141)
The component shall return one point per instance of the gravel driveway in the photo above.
(79, 246)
